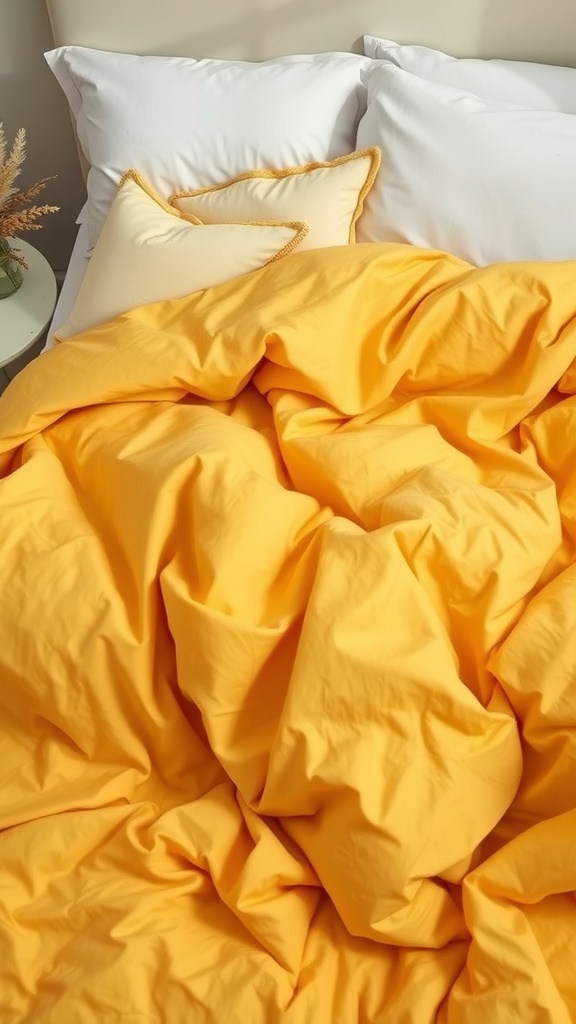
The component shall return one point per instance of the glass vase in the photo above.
(10, 271)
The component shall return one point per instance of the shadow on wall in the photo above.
(529, 30)
(31, 98)
(259, 29)
(239, 29)
(512, 29)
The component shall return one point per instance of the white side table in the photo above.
(25, 315)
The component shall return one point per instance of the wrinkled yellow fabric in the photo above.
(287, 653)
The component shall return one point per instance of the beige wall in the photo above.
(31, 98)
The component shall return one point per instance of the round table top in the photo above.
(25, 315)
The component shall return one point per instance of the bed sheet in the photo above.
(72, 281)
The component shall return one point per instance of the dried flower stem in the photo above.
(15, 213)
(10, 168)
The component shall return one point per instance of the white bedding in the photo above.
(76, 270)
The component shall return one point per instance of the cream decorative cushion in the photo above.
(147, 251)
(328, 196)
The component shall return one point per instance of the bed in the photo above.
(287, 529)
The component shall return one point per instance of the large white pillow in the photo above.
(186, 124)
(539, 86)
(486, 181)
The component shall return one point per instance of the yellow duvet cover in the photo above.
(288, 653)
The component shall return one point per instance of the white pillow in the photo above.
(486, 181)
(539, 86)
(186, 124)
